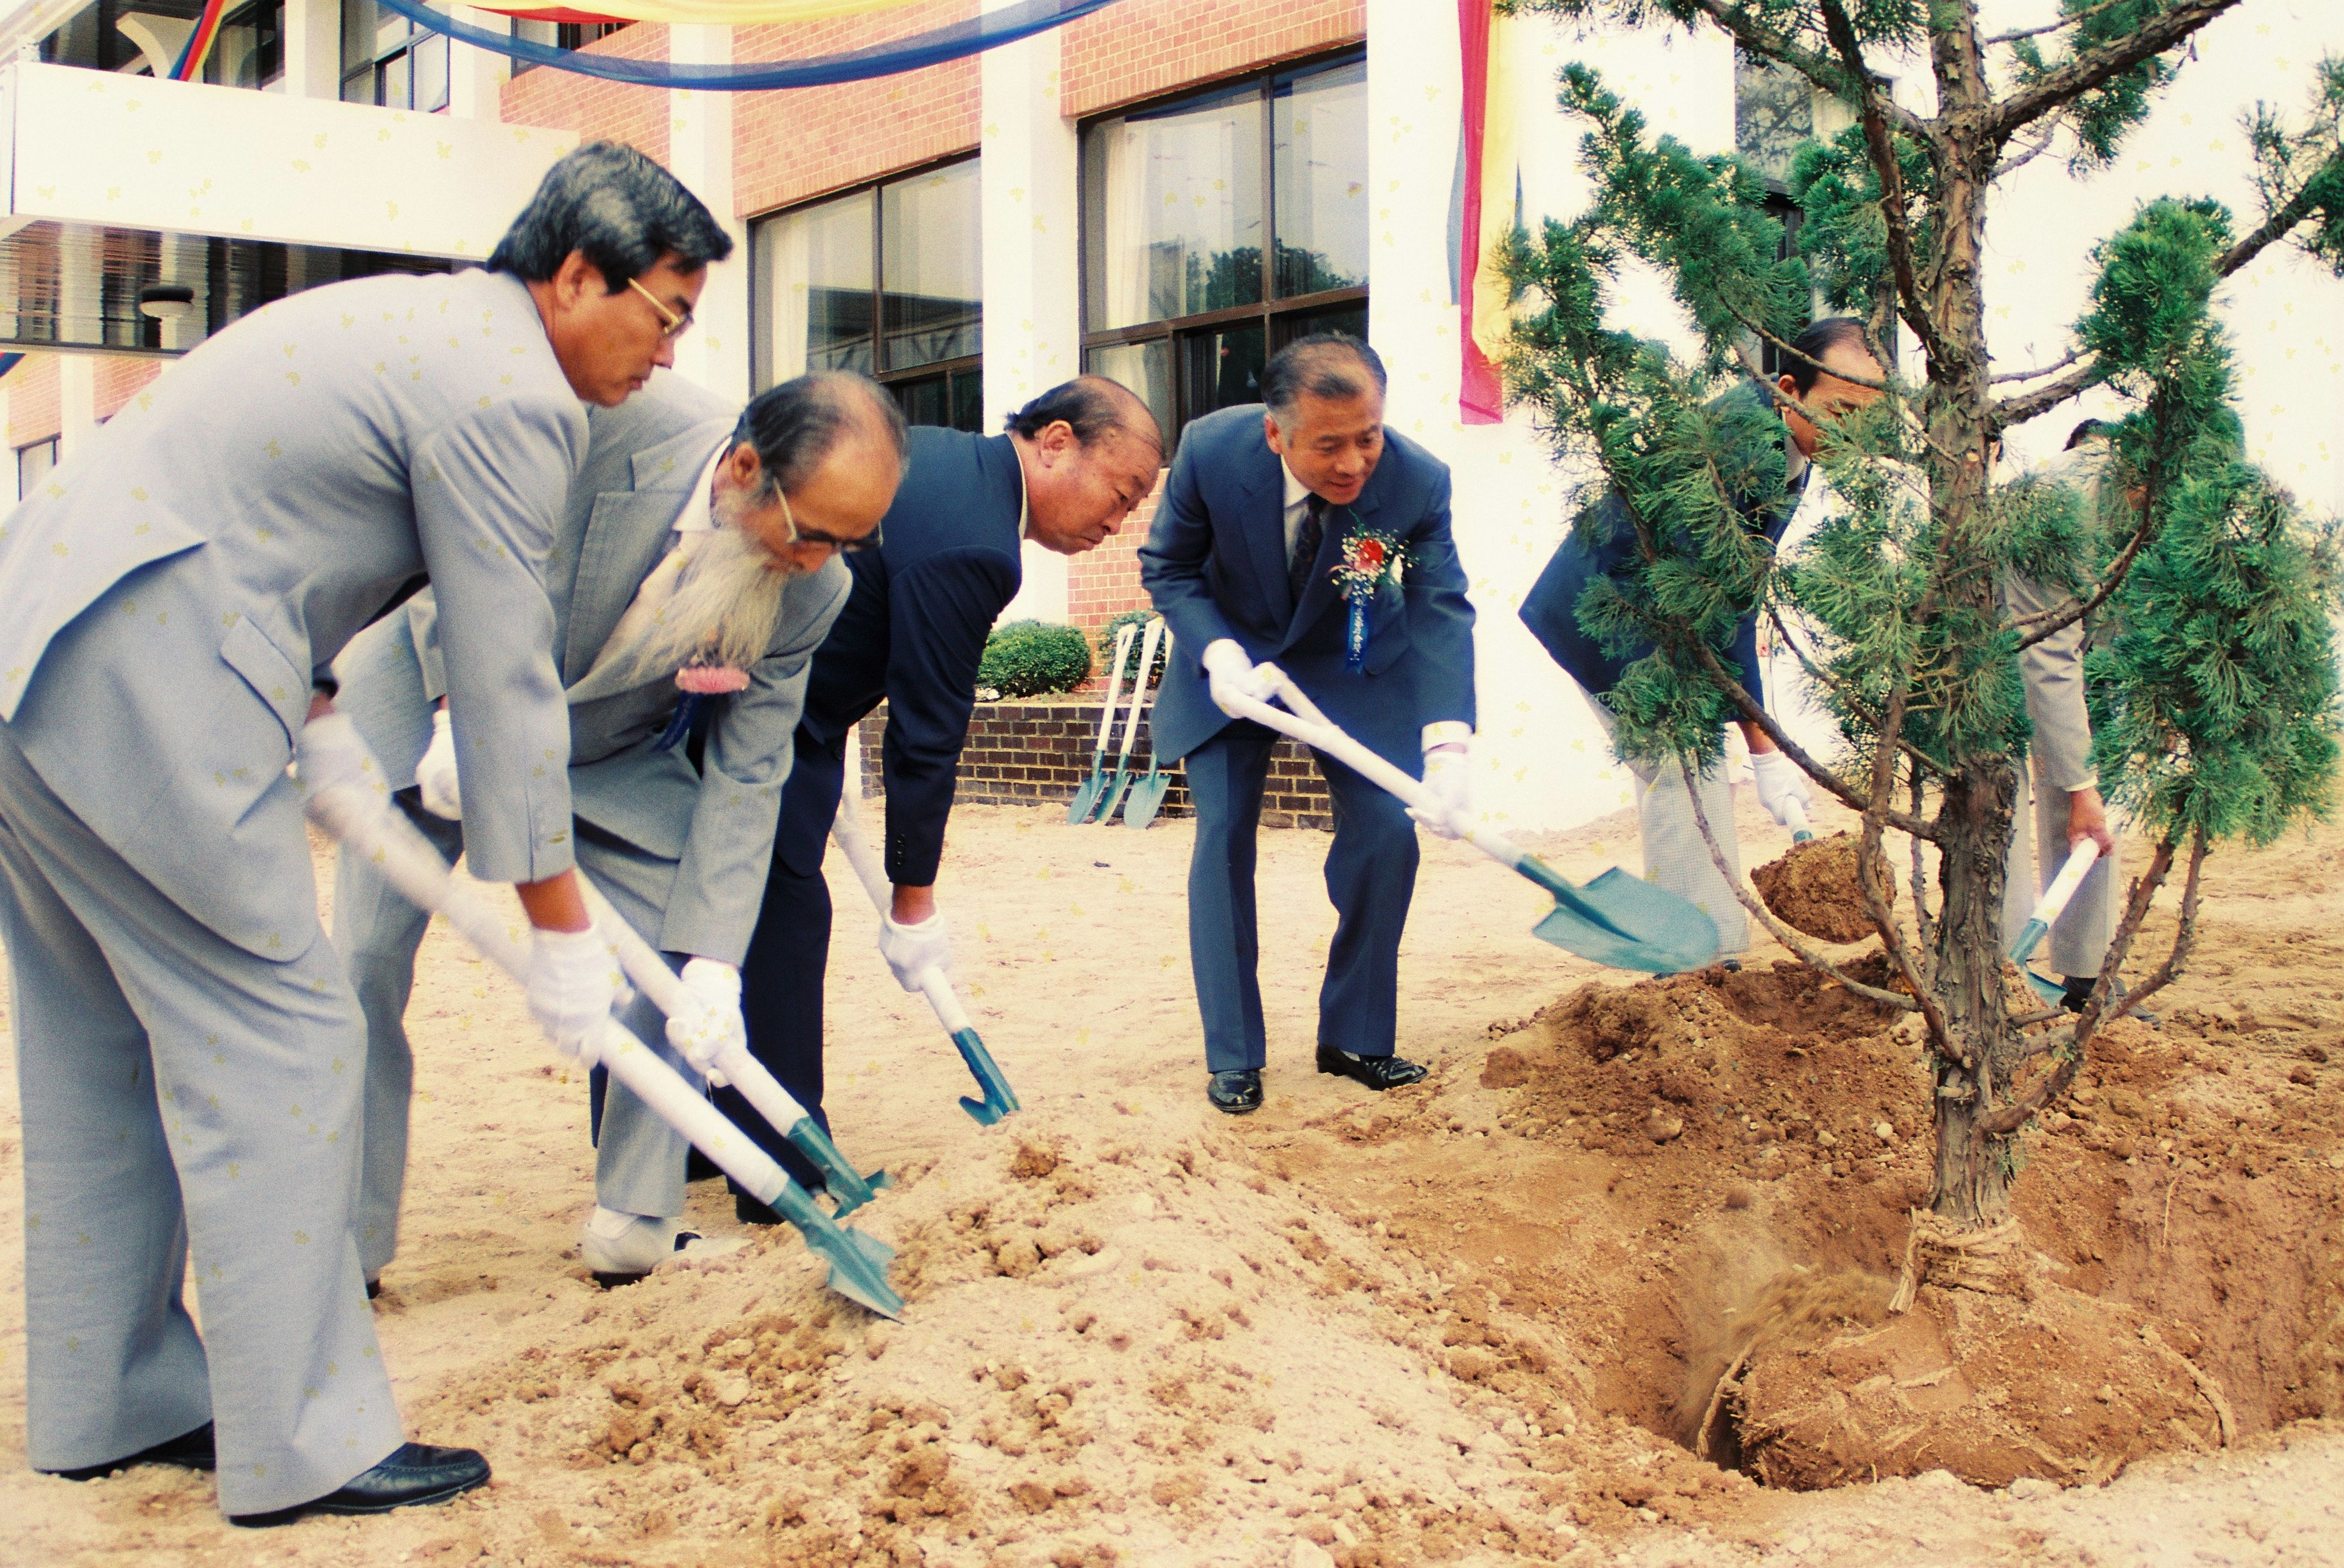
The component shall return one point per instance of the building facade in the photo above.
(1164, 191)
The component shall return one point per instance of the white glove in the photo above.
(572, 979)
(1780, 783)
(1448, 775)
(331, 753)
(1232, 674)
(435, 775)
(710, 1030)
(912, 950)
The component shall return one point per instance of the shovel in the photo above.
(361, 819)
(652, 975)
(847, 829)
(1148, 794)
(1131, 724)
(1618, 920)
(1087, 798)
(2046, 910)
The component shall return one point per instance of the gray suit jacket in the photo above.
(717, 823)
(167, 596)
(2052, 670)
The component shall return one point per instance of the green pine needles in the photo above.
(2203, 591)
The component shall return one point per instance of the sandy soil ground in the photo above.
(1449, 1325)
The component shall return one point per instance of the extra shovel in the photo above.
(362, 821)
(651, 976)
(1617, 919)
(846, 830)
(1086, 797)
(1148, 792)
(1122, 782)
(2048, 909)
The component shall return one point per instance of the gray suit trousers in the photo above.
(639, 1158)
(1676, 858)
(2080, 937)
(179, 1089)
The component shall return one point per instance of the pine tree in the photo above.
(2214, 680)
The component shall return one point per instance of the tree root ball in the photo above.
(1991, 1386)
(1814, 889)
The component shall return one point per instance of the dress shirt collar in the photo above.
(698, 513)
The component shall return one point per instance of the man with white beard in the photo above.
(694, 576)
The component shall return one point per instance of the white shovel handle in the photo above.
(365, 825)
(1139, 683)
(1123, 636)
(2063, 886)
(668, 994)
(846, 832)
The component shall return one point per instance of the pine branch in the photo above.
(1813, 63)
(2067, 20)
(2053, 368)
(1782, 933)
(1893, 212)
(1846, 694)
(2065, 84)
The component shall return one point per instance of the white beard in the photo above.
(722, 613)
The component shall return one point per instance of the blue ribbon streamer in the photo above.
(1355, 635)
(961, 38)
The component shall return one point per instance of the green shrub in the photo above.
(1033, 658)
(1139, 618)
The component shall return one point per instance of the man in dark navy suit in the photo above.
(1599, 545)
(1067, 472)
(1263, 504)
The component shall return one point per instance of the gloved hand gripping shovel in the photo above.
(847, 829)
(1086, 797)
(1617, 919)
(2048, 909)
(1122, 781)
(361, 818)
(744, 1072)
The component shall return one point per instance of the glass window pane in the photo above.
(968, 400)
(431, 57)
(1219, 370)
(394, 84)
(931, 268)
(1144, 368)
(813, 290)
(1351, 320)
(1173, 205)
(390, 30)
(358, 35)
(1320, 165)
(926, 401)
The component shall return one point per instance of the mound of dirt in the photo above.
(1814, 889)
(1126, 1352)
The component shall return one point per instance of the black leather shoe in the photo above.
(1236, 1092)
(1376, 1072)
(189, 1450)
(415, 1472)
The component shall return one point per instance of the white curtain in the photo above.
(786, 286)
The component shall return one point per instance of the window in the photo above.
(144, 38)
(387, 60)
(33, 464)
(249, 51)
(560, 35)
(886, 281)
(1220, 227)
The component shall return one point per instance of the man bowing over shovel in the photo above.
(1303, 532)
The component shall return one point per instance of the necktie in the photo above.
(1307, 539)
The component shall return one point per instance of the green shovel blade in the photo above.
(1624, 922)
(1086, 797)
(1146, 799)
(1114, 791)
(851, 1189)
(858, 1262)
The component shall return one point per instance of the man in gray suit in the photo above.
(692, 526)
(188, 1046)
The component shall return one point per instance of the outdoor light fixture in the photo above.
(167, 301)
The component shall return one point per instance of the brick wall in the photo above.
(33, 404)
(790, 146)
(1139, 49)
(596, 109)
(121, 378)
(1039, 753)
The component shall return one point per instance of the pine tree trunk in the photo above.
(1972, 1186)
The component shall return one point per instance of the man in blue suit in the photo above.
(1263, 506)
(1600, 544)
(1067, 472)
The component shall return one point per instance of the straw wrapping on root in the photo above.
(1939, 1251)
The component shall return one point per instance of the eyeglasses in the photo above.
(676, 325)
(801, 535)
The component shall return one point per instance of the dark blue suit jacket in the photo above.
(1214, 565)
(911, 633)
(1601, 543)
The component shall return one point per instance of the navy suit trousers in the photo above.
(781, 1001)
(1370, 877)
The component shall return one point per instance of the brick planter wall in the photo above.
(1038, 753)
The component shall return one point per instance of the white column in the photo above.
(715, 352)
(313, 48)
(476, 77)
(1033, 314)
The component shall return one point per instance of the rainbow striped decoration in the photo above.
(190, 63)
(1492, 181)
